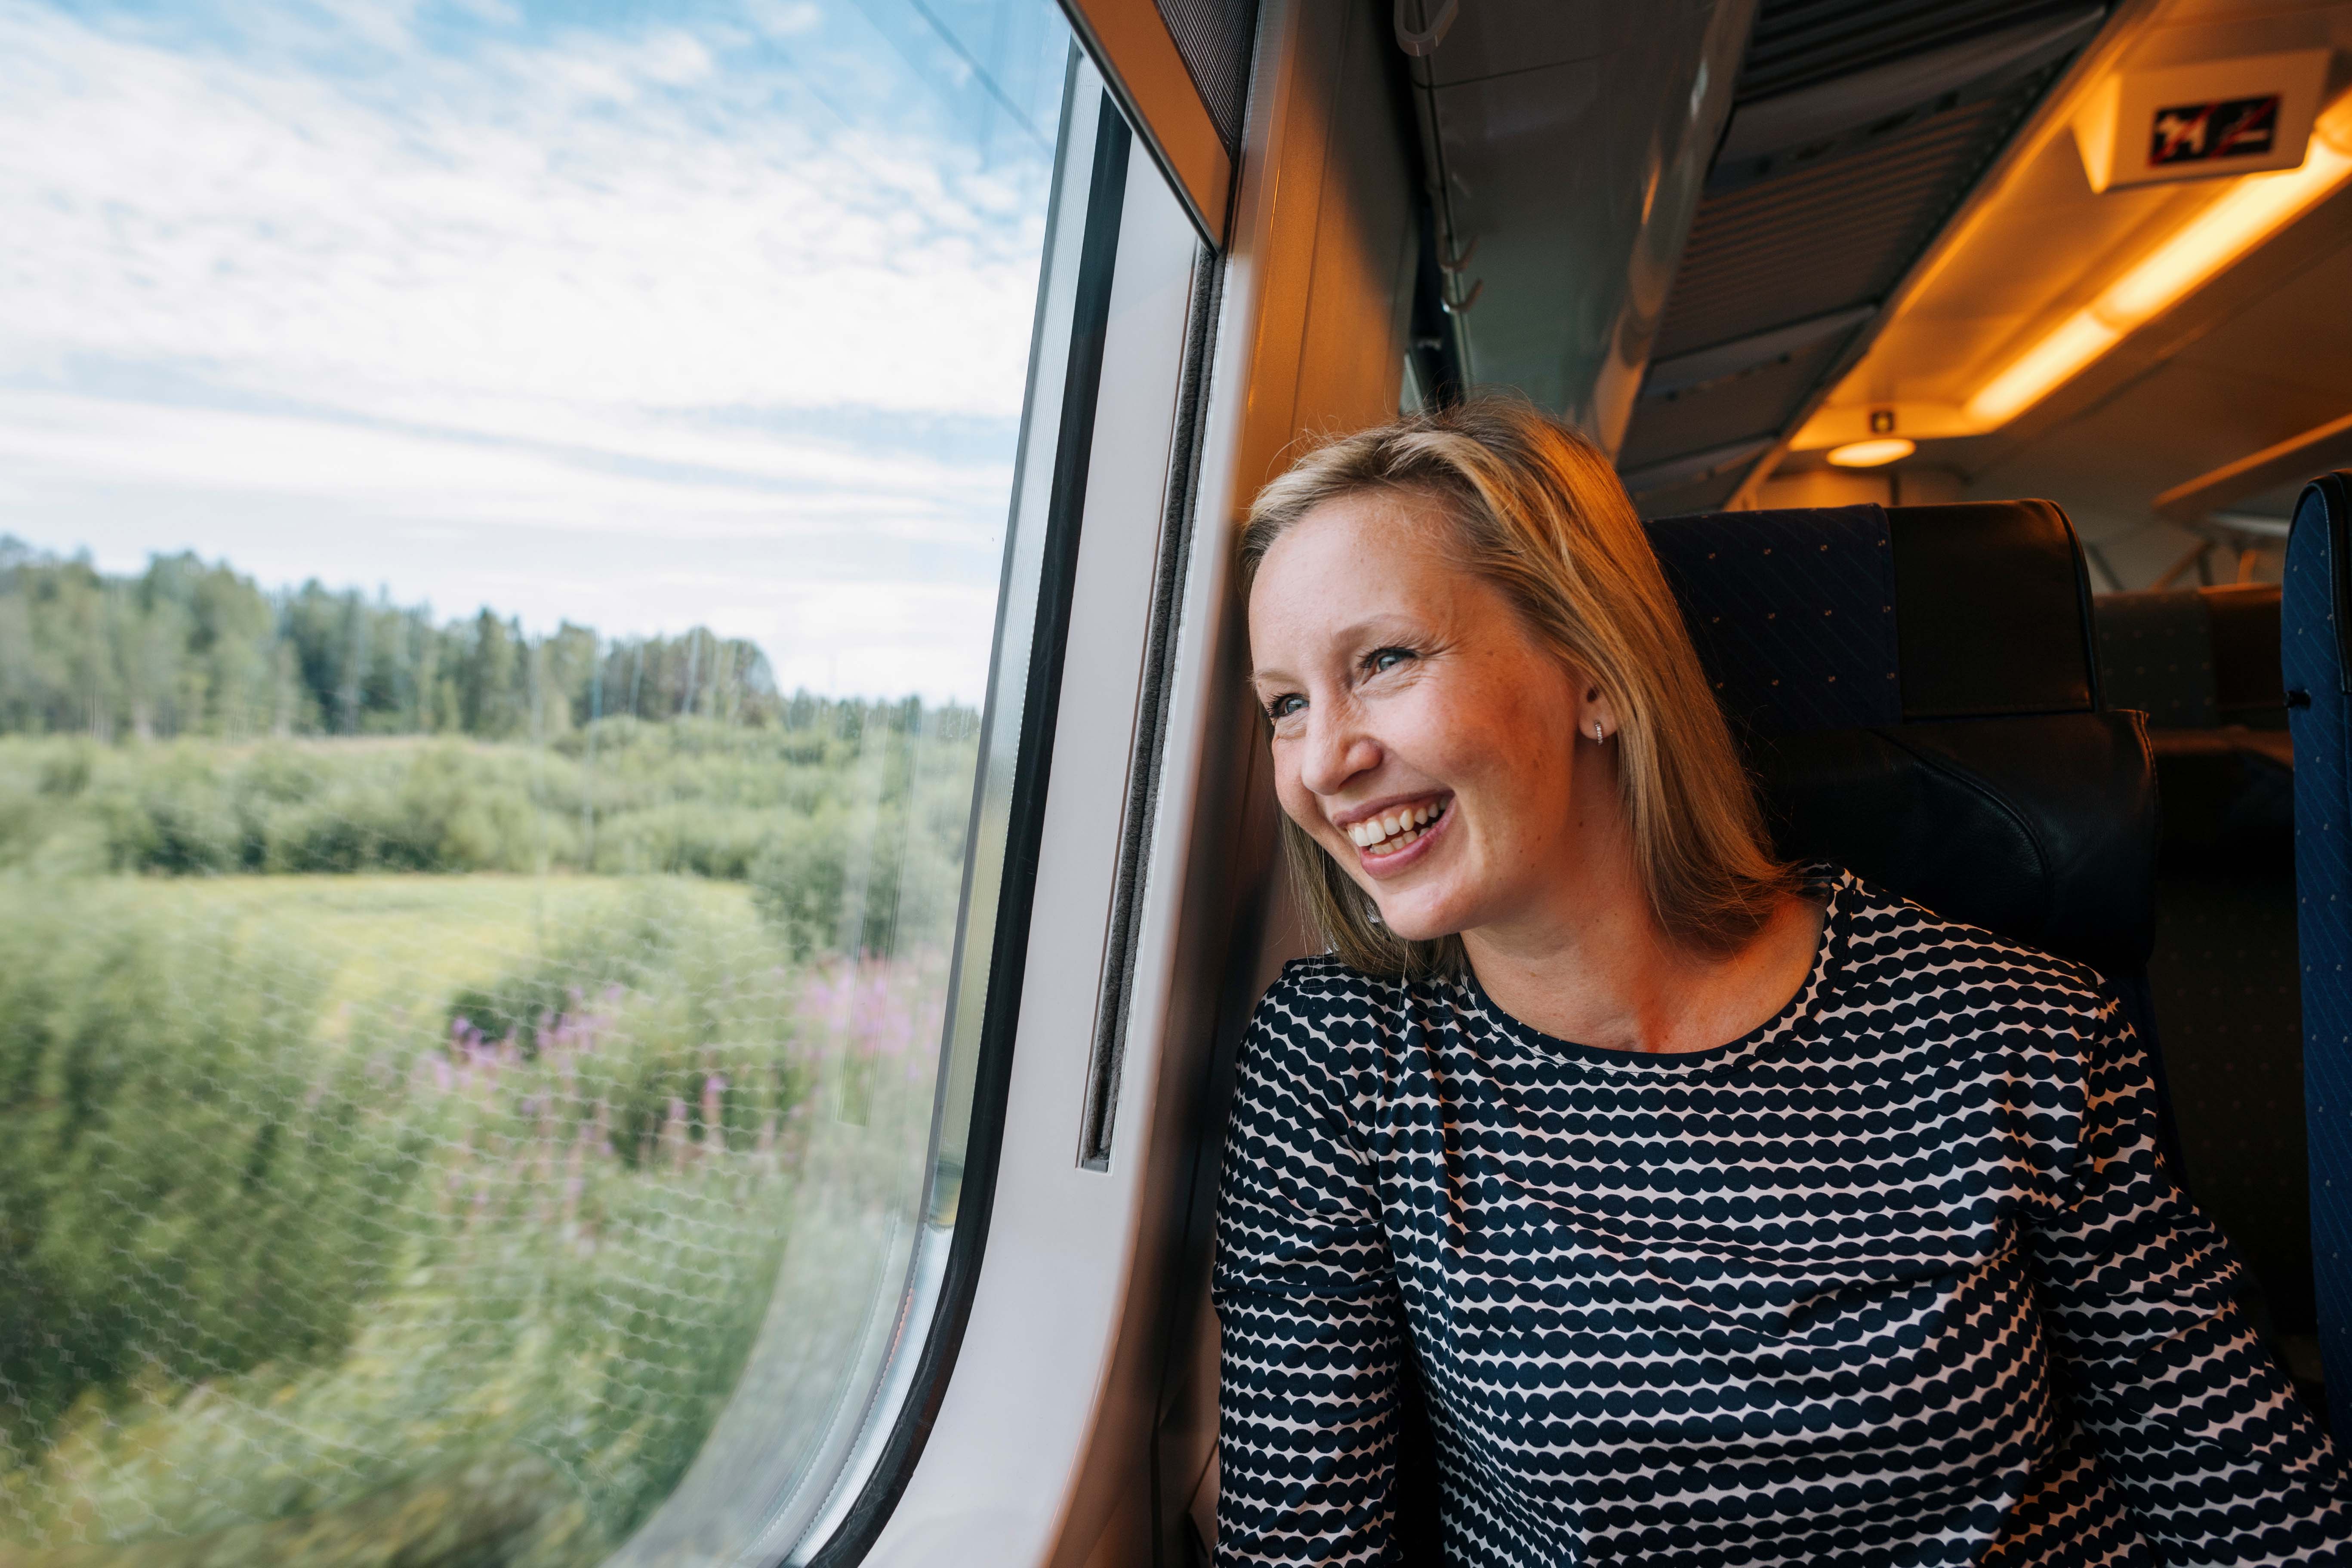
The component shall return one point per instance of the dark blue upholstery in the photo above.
(2312, 655)
(2156, 654)
(1914, 690)
(1793, 613)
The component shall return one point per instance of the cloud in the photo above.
(395, 276)
(783, 19)
(716, 486)
(500, 229)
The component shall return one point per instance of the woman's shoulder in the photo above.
(1321, 990)
(1899, 952)
(1323, 1009)
(1323, 1032)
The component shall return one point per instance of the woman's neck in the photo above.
(1595, 967)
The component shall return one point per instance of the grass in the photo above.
(425, 937)
(406, 1144)
(418, 1220)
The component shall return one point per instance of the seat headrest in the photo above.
(1824, 618)
(2192, 659)
(1917, 693)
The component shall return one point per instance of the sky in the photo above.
(642, 315)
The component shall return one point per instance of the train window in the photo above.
(512, 666)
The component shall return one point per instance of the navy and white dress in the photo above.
(1898, 1277)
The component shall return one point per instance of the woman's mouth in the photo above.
(1398, 829)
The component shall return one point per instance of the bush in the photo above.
(442, 1280)
(666, 1023)
(693, 797)
(191, 1187)
(883, 874)
(274, 1292)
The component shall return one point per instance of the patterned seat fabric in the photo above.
(1917, 691)
(2313, 652)
(2156, 654)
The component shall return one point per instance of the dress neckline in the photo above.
(1830, 882)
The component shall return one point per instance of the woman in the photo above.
(1728, 1214)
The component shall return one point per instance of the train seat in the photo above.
(2203, 664)
(1917, 690)
(2316, 617)
(1920, 692)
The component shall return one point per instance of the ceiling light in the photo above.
(2256, 208)
(1872, 454)
(2078, 340)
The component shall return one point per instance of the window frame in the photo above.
(1013, 817)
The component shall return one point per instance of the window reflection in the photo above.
(503, 511)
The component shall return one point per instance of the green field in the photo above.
(403, 1138)
(421, 936)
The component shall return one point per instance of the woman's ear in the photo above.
(1596, 716)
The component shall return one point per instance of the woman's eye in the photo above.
(1383, 660)
(1284, 707)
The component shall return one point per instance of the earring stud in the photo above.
(1598, 738)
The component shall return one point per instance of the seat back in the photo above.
(2316, 652)
(2193, 658)
(1917, 690)
(2203, 663)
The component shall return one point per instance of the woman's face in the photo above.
(1423, 737)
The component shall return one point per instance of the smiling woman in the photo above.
(1725, 1215)
(1511, 571)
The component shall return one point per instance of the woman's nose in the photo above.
(1336, 751)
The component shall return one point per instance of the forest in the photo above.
(190, 648)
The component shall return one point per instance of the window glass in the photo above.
(505, 506)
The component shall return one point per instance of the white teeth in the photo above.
(1374, 832)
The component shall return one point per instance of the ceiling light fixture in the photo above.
(1872, 454)
(2258, 206)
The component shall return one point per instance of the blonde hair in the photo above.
(1533, 507)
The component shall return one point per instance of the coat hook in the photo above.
(1460, 261)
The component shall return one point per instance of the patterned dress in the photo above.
(1897, 1277)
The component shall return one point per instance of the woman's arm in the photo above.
(2187, 1412)
(1308, 1311)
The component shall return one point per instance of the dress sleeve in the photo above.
(1308, 1315)
(2188, 1414)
